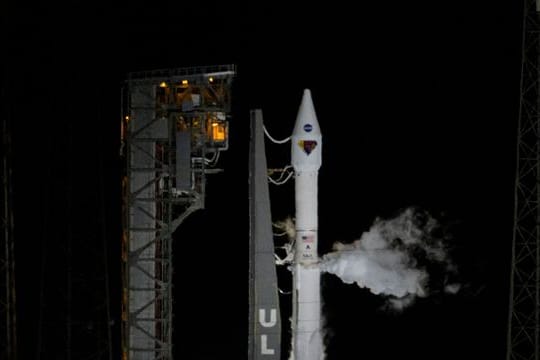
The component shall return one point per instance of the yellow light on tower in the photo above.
(185, 82)
(211, 79)
(218, 131)
(163, 84)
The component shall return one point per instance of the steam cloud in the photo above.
(395, 259)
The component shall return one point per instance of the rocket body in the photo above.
(306, 146)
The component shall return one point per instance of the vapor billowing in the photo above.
(394, 259)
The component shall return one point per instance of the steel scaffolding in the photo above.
(8, 334)
(174, 126)
(74, 319)
(524, 304)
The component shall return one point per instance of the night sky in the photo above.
(418, 105)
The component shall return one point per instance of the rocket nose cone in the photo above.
(306, 140)
(306, 119)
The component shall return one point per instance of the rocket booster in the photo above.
(306, 148)
(306, 160)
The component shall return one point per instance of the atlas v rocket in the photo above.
(306, 159)
(265, 322)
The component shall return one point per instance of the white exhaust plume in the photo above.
(394, 258)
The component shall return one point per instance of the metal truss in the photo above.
(8, 335)
(524, 304)
(173, 120)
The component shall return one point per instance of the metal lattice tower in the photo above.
(524, 305)
(8, 332)
(74, 320)
(8, 338)
(174, 125)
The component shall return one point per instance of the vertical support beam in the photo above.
(8, 333)
(264, 311)
(8, 328)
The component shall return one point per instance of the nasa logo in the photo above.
(308, 128)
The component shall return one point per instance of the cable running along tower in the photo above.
(524, 305)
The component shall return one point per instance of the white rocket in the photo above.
(306, 148)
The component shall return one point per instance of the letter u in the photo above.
(262, 318)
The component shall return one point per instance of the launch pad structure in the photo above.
(174, 126)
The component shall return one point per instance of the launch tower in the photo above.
(174, 126)
(524, 306)
(8, 338)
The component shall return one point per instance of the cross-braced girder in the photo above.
(524, 306)
(173, 120)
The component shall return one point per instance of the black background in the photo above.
(418, 105)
